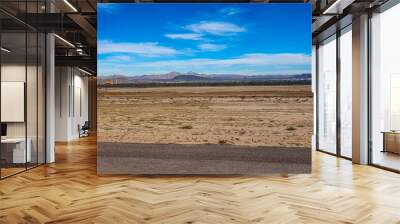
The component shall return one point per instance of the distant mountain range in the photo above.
(192, 77)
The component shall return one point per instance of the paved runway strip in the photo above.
(138, 159)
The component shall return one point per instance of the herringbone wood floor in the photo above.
(69, 191)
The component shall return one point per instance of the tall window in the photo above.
(385, 88)
(327, 95)
(346, 92)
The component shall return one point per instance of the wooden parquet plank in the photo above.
(70, 191)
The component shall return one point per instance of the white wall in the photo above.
(80, 112)
(9, 73)
(33, 126)
(70, 84)
(62, 82)
(17, 73)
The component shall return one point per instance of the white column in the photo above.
(50, 99)
(360, 90)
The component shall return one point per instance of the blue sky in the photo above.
(143, 39)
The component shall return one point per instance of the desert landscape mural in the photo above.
(204, 89)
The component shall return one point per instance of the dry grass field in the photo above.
(239, 115)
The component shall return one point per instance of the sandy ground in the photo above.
(240, 115)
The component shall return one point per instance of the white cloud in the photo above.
(255, 59)
(107, 7)
(184, 36)
(147, 49)
(230, 11)
(211, 47)
(118, 58)
(249, 64)
(216, 28)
